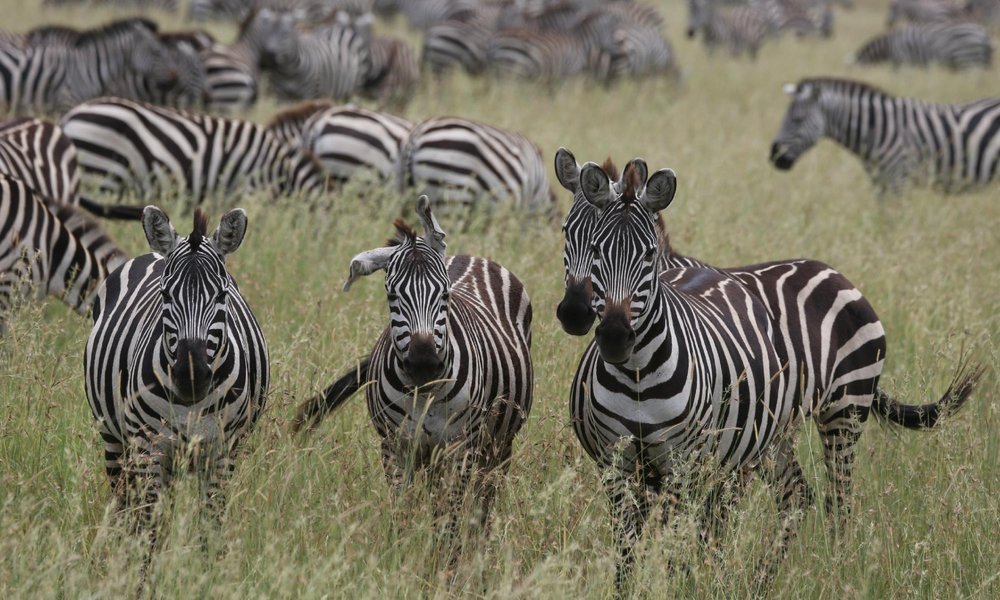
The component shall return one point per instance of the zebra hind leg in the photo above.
(714, 519)
(840, 423)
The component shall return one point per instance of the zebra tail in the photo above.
(312, 411)
(927, 416)
(113, 211)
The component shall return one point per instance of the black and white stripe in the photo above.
(49, 251)
(742, 29)
(953, 45)
(393, 72)
(924, 11)
(690, 368)
(900, 141)
(451, 376)
(351, 141)
(131, 147)
(454, 44)
(39, 154)
(458, 161)
(176, 365)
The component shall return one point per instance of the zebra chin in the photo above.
(422, 363)
(191, 374)
(615, 340)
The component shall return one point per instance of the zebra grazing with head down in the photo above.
(49, 250)
(458, 161)
(451, 376)
(176, 365)
(953, 147)
(127, 146)
(954, 45)
(688, 368)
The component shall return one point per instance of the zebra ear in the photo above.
(789, 88)
(595, 185)
(368, 262)
(567, 170)
(160, 234)
(229, 234)
(433, 234)
(660, 190)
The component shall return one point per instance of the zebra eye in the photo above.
(445, 296)
(650, 253)
(392, 297)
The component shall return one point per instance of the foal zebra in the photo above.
(451, 376)
(954, 147)
(459, 161)
(149, 150)
(954, 45)
(690, 364)
(176, 365)
(49, 250)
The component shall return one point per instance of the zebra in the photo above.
(176, 366)
(423, 14)
(646, 415)
(39, 154)
(954, 45)
(451, 374)
(289, 124)
(164, 5)
(923, 11)
(900, 141)
(232, 10)
(742, 29)
(329, 61)
(460, 161)
(456, 43)
(132, 146)
(393, 73)
(545, 56)
(49, 250)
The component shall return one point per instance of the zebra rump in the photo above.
(954, 45)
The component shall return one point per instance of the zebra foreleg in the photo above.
(715, 514)
(629, 512)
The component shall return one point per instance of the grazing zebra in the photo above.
(393, 74)
(954, 147)
(646, 415)
(176, 365)
(288, 125)
(49, 251)
(545, 56)
(330, 61)
(349, 141)
(451, 374)
(923, 11)
(39, 154)
(742, 29)
(423, 14)
(954, 45)
(456, 43)
(165, 5)
(459, 161)
(230, 10)
(148, 150)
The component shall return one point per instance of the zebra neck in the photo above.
(655, 338)
(861, 124)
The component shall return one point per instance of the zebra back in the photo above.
(348, 141)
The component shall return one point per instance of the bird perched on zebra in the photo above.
(451, 375)
(953, 45)
(465, 163)
(49, 250)
(647, 416)
(176, 366)
(350, 141)
(131, 147)
(900, 141)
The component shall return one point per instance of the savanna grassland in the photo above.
(312, 517)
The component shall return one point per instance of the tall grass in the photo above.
(313, 516)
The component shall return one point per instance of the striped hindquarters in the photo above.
(348, 141)
(39, 154)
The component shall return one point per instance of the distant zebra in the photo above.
(289, 124)
(39, 154)
(545, 56)
(127, 146)
(165, 5)
(231, 10)
(49, 251)
(456, 43)
(954, 147)
(742, 29)
(393, 72)
(350, 141)
(954, 45)
(330, 61)
(451, 375)
(176, 365)
(688, 370)
(423, 14)
(458, 161)
(923, 11)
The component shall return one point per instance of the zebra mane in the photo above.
(610, 169)
(842, 85)
(114, 28)
(51, 33)
(200, 228)
(633, 184)
(299, 112)
(404, 233)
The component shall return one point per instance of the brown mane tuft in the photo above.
(610, 169)
(632, 182)
(299, 112)
(404, 233)
(200, 228)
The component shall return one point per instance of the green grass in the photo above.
(313, 517)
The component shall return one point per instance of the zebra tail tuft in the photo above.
(312, 411)
(927, 416)
(113, 211)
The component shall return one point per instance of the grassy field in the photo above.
(314, 518)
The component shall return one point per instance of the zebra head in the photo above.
(195, 291)
(275, 37)
(575, 312)
(418, 288)
(625, 247)
(803, 125)
(699, 14)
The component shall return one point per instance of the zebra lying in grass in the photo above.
(900, 141)
(953, 45)
(451, 375)
(689, 365)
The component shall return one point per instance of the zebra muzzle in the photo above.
(575, 312)
(191, 373)
(615, 337)
(780, 157)
(422, 362)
